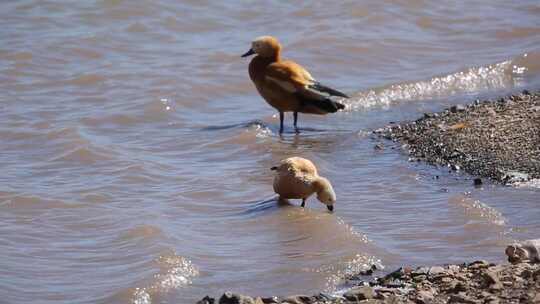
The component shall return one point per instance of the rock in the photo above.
(491, 299)
(206, 300)
(234, 298)
(477, 181)
(258, 300)
(512, 176)
(323, 297)
(359, 293)
(270, 300)
(526, 251)
(457, 108)
(425, 297)
(435, 270)
(300, 299)
(478, 264)
(399, 273)
(462, 299)
(420, 271)
(453, 268)
(444, 279)
(379, 146)
(458, 287)
(491, 279)
(491, 112)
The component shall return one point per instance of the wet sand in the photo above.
(496, 139)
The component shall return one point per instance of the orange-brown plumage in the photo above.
(286, 85)
(297, 178)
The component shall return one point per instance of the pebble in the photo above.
(425, 297)
(234, 298)
(461, 298)
(457, 108)
(206, 300)
(300, 299)
(359, 293)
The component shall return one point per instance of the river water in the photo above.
(135, 151)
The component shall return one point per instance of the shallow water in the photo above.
(136, 152)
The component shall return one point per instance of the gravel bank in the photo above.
(497, 139)
(477, 282)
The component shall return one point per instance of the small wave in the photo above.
(258, 207)
(70, 133)
(141, 296)
(176, 272)
(244, 125)
(114, 119)
(142, 232)
(501, 75)
(477, 210)
(29, 204)
(84, 155)
(252, 130)
(19, 56)
(533, 183)
(347, 270)
(158, 109)
(137, 27)
(87, 80)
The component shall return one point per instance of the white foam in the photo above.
(177, 272)
(479, 210)
(533, 183)
(475, 79)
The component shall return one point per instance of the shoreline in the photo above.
(474, 283)
(494, 139)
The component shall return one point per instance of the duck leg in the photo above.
(295, 115)
(281, 117)
(303, 203)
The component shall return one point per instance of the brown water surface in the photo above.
(135, 151)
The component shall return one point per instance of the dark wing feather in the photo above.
(318, 106)
(322, 88)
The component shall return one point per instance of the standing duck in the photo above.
(286, 85)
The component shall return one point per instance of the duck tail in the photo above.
(320, 106)
(322, 88)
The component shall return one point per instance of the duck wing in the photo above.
(296, 80)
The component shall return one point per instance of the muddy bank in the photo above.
(496, 139)
(476, 282)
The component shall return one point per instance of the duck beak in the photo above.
(330, 207)
(249, 53)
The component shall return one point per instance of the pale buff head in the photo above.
(325, 192)
(264, 46)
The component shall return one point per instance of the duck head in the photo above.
(325, 192)
(264, 46)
